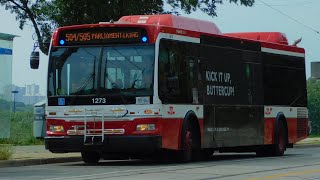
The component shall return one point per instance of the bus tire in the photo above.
(281, 140)
(186, 142)
(190, 141)
(278, 148)
(90, 157)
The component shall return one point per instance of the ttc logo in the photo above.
(171, 111)
(268, 111)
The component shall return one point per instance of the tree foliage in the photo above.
(25, 11)
(45, 16)
(207, 6)
(85, 11)
(313, 87)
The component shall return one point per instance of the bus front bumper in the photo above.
(116, 144)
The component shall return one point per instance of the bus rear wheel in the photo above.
(280, 145)
(90, 157)
(281, 141)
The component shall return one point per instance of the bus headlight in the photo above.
(146, 127)
(56, 128)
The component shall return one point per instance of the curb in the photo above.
(305, 145)
(30, 162)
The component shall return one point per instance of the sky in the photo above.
(295, 18)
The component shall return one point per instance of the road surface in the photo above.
(298, 164)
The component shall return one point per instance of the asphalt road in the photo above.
(297, 164)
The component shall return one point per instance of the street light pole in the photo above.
(14, 100)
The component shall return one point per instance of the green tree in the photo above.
(26, 10)
(313, 87)
(45, 16)
(207, 6)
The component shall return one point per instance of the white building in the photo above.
(32, 90)
(6, 44)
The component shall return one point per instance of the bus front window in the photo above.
(73, 71)
(110, 70)
(128, 68)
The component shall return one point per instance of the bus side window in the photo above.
(172, 75)
(176, 73)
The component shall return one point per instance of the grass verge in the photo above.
(314, 135)
(6, 151)
(21, 130)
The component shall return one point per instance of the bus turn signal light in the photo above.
(146, 127)
(56, 128)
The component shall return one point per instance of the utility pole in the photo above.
(14, 100)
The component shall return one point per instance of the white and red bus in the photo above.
(148, 84)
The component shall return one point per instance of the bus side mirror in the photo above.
(34, 60)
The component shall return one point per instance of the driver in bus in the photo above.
(147, 79)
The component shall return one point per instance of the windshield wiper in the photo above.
(88, 80)
(114, 85)
(85, 84)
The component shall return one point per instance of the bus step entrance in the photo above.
(92, 134)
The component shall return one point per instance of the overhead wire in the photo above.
(306, 26)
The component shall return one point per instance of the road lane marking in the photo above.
(275, 176)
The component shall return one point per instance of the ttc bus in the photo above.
(149, 84)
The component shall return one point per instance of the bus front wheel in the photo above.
(186, 152)
(190, 142)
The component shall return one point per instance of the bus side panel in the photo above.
(292, 129)
(284, 84)
(208, 137)
(269, 130)
(238, 126)
(229, 126)
(302, 128)
(232, 90)
(296, 131)
(170, 132)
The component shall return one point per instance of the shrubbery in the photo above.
(6, 151)
(314, 105)
(21, 130)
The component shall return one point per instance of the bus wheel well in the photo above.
(193, 120)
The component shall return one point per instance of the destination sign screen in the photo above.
(103, 35)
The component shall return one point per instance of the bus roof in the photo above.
(272, 37)
(173, 21)
(168, 23)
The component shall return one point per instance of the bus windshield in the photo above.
(103, 70)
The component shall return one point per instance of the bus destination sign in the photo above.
(102, 36)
